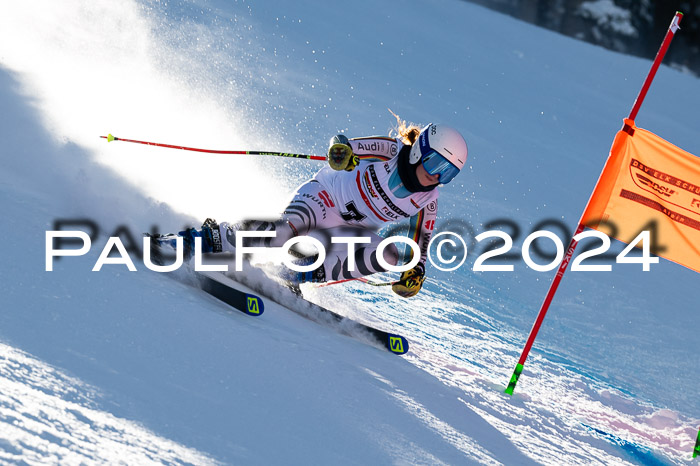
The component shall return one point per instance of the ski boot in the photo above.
(211, 238)
(211, 241)
(292, 279)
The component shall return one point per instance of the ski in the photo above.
(217, 285)
(391, 341)
(230, 292)
(239, 296)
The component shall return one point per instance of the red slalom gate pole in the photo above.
(674, 26)
(543, 311)
(111, 138)
(670, 34)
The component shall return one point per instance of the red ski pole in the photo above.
(111, 138)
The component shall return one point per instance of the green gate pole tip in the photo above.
(696, 452)
(514, 379)
(110, 138)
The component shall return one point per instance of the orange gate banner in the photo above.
(648, 183)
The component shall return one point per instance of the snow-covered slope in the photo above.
(136, 366)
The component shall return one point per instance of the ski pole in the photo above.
(111, 138)
(361, 279)
(371, 283)
(338, 282)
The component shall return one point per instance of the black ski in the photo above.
(216, 284)
(391, 341)
(239, 296)
(231, 293)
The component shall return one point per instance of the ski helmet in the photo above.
(441, 150)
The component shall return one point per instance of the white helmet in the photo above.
(441, 150)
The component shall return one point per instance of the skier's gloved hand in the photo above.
(211, 238)
(340, 156)
(410, 282)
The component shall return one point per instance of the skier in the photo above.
(370, 181)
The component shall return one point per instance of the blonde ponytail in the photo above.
(407, 132)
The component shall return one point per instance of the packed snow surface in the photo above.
(143, 367)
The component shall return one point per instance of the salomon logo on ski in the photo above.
(254, 305)
(398, 344)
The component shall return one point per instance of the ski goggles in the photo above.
(436, 164)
